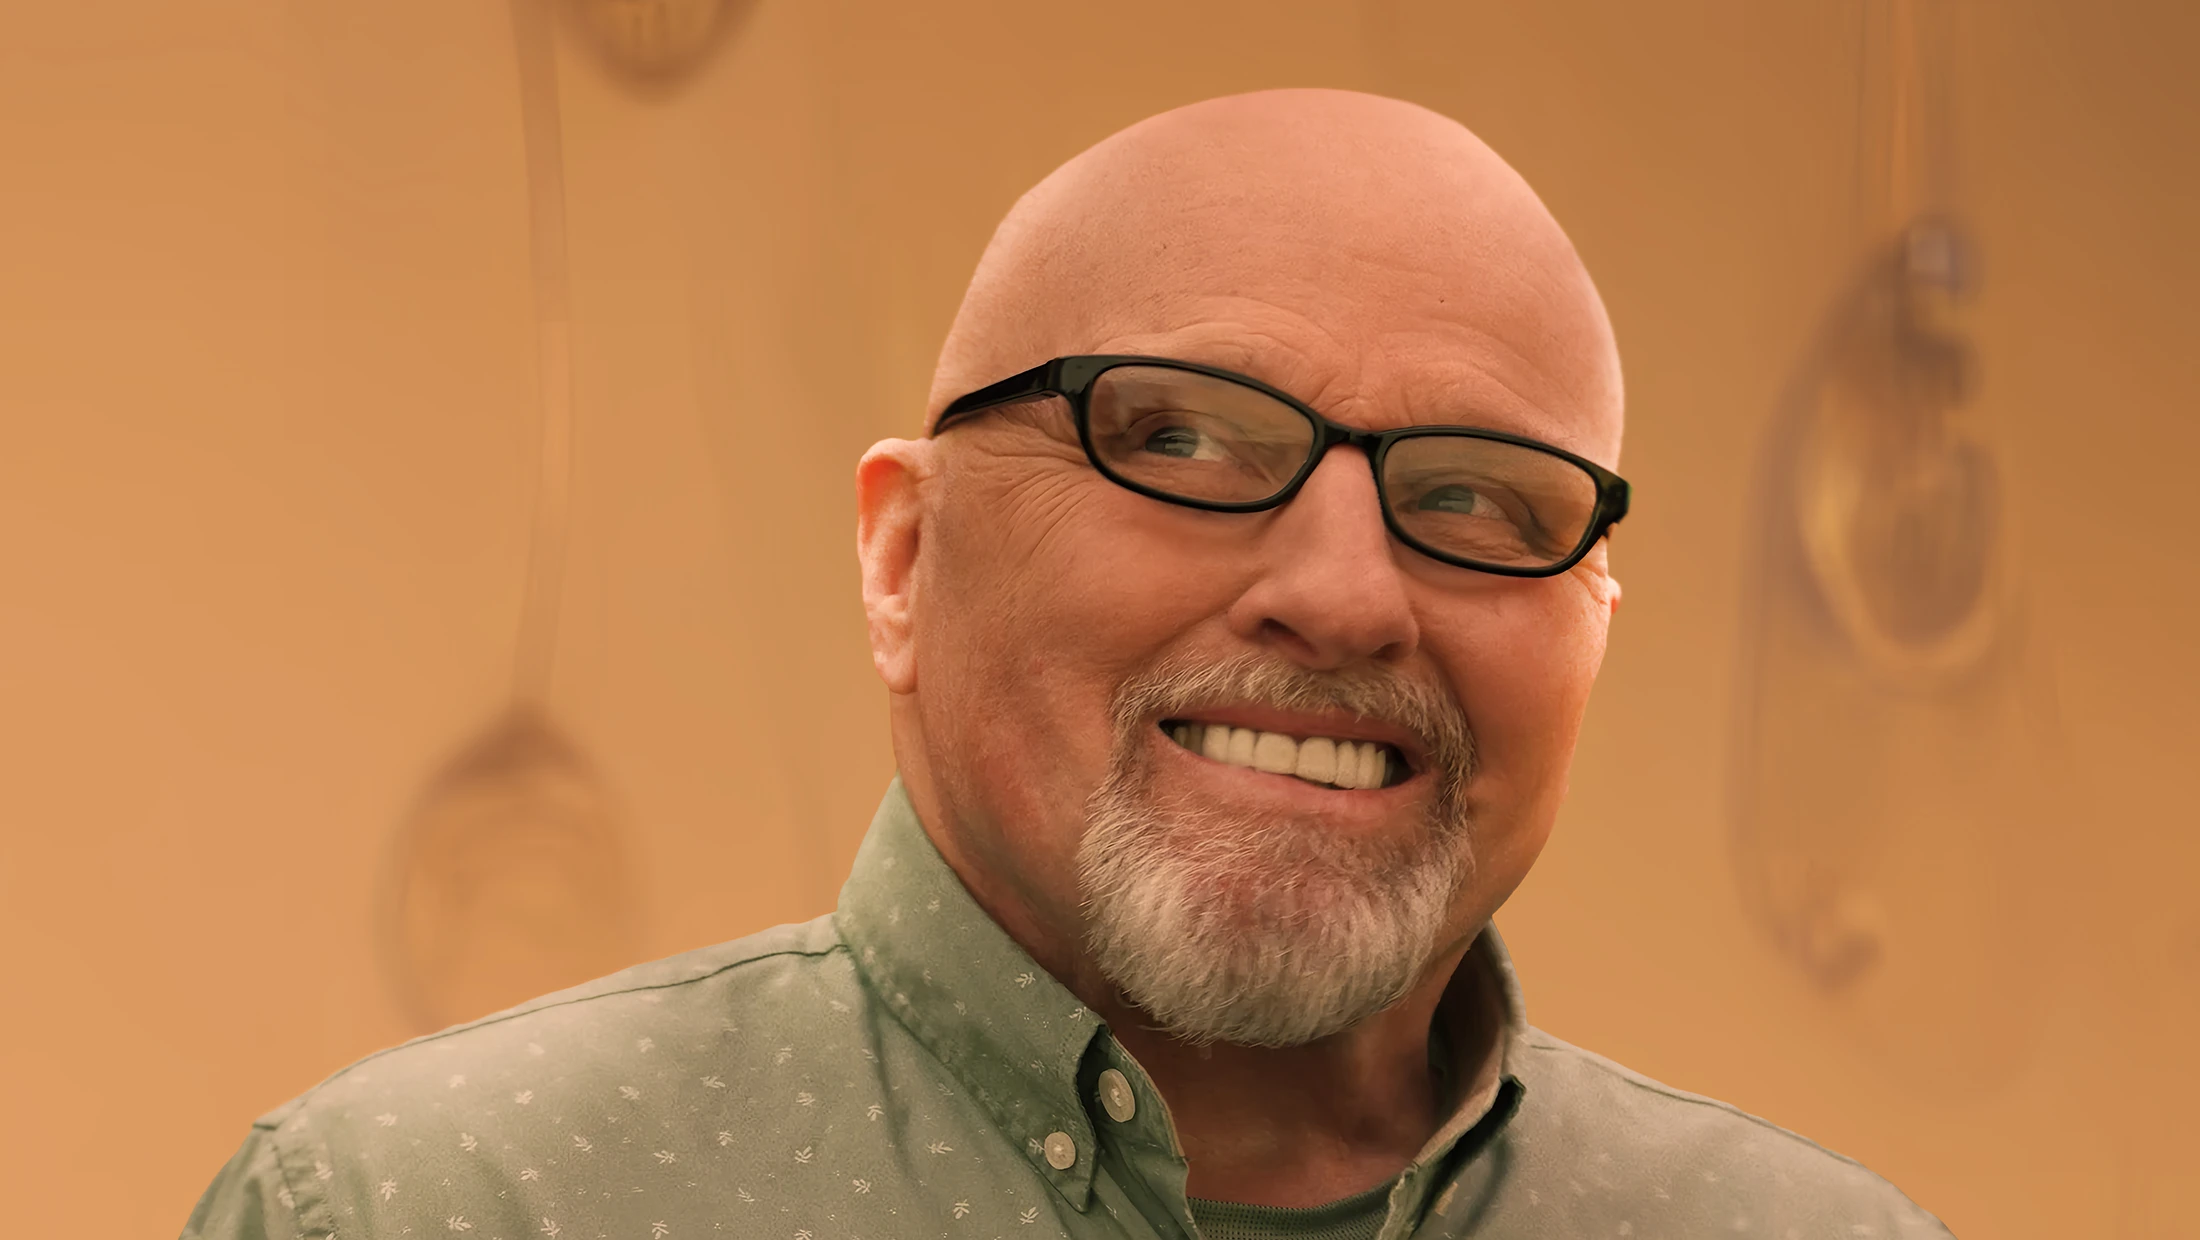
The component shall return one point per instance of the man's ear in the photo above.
(1602, 582)
(889, 526)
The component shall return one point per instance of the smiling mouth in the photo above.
(1322, 760)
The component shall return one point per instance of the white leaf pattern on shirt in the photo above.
(721, 1030)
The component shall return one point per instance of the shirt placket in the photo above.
(1142, 1168)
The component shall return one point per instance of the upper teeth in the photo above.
(1319, 759)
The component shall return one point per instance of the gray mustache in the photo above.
(1182, 683)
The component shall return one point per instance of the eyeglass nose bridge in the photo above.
(1331, 434)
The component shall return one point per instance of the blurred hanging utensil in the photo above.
(1892, 756)
(653, 46)
(510, 876)
(1898, 494)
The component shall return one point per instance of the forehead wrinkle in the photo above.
(1464, 393)
(1234, 343)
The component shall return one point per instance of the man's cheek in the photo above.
(1519, 712)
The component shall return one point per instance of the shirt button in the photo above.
(1061, 1151)
(1116, 1096)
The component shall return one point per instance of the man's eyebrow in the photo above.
(1457, 403)
(1046, 413)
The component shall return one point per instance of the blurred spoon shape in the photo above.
(510, 878)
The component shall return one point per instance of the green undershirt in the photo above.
(1358, 1217)
(1354, 1218)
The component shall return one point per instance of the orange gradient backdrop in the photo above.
(268, 391)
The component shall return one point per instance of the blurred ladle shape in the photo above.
(1898, 496)
(1893, 776)
(509, 877)
(654, 47)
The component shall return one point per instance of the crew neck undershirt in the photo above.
(1358, 1217)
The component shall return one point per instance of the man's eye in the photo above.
(1177, 441)
(1452, 498)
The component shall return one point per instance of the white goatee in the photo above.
(1258, 930)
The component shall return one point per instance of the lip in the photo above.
(1337, 725)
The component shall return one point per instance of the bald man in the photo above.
(1238, 615)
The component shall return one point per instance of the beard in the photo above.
(1262, 929)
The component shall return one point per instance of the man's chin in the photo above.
(1242, 1003)
(1255, 955)
(1250, 856)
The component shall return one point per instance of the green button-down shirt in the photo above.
(901, 1068)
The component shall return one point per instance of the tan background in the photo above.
(267, 393)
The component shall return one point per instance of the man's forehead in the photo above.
(1325, 240)
(1413, 374)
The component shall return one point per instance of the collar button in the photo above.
(1116, 1096)
(1061, 1151)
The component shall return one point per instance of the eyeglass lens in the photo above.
(1210, 440)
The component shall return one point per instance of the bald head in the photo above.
(1318, 239)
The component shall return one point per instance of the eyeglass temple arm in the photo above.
(1621, 495)
(1037, 381)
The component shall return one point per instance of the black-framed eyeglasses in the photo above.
(1210, 438)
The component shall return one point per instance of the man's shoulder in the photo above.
(1603, 1129)
(641, 1020)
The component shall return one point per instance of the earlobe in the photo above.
(889, 529)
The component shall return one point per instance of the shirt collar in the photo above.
(1009, 1032)
(1484, 991)
(1018, 1040)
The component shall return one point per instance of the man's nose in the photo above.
(1330, 592)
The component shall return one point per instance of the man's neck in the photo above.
(1359, 1105)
